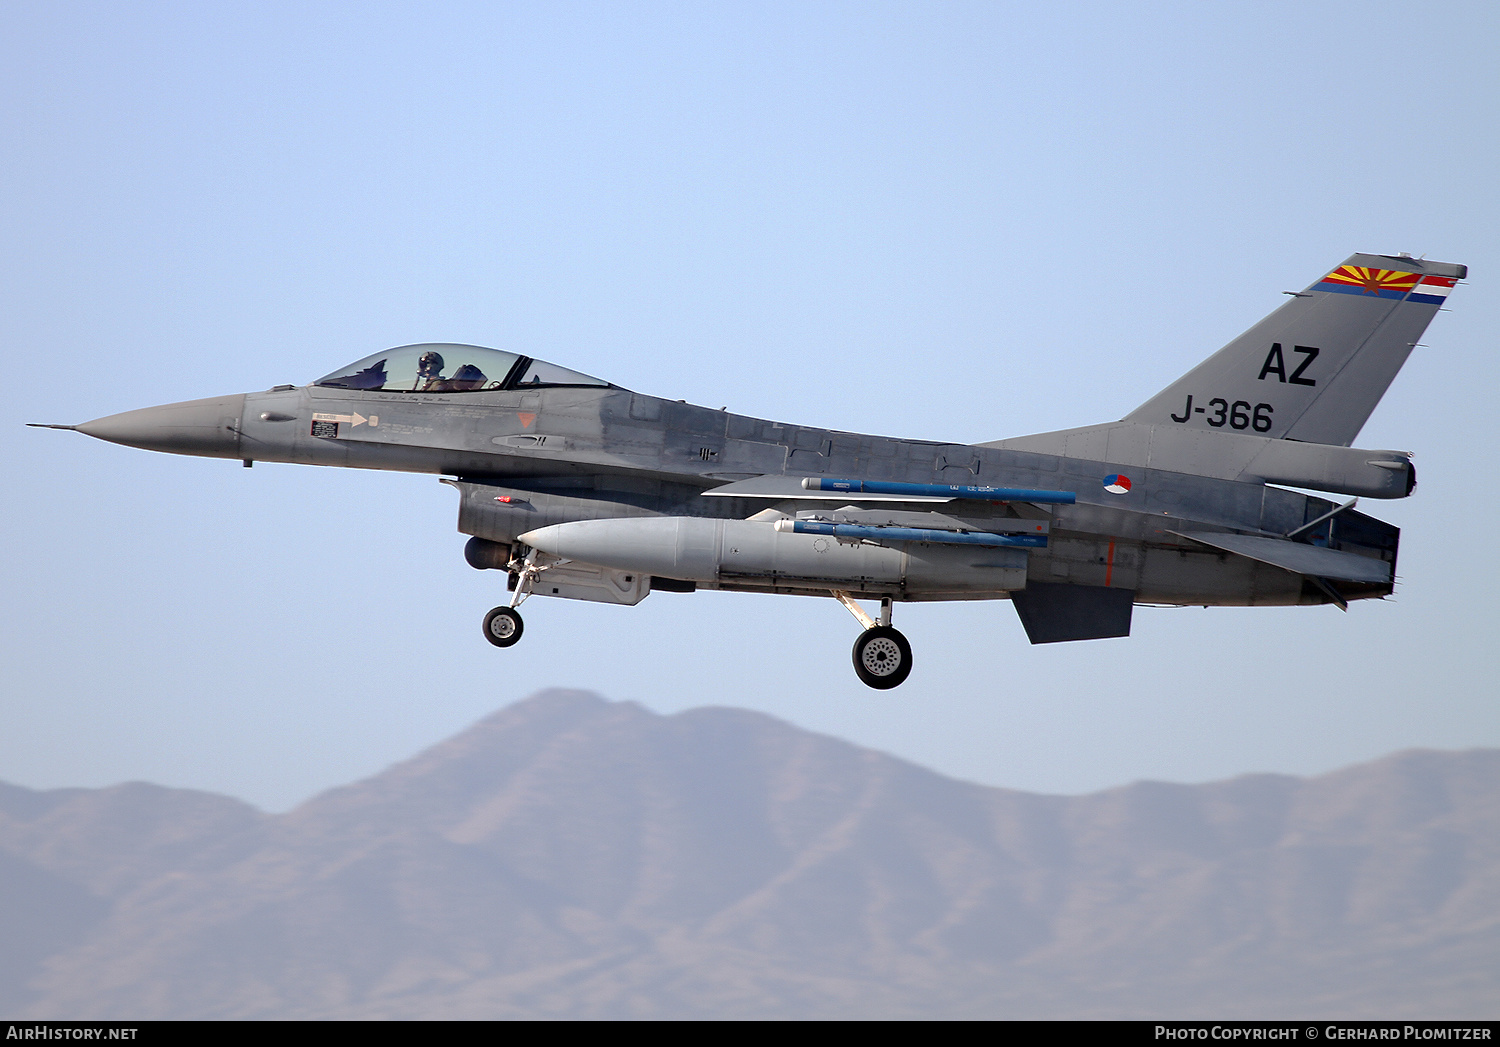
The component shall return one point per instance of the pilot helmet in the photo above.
(430, 365)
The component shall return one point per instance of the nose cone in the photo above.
(210, 428)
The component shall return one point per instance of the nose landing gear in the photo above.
(882, 657)
(503, 625)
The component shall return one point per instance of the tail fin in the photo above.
(1315, 368)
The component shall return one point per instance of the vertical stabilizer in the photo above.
(1315, 368)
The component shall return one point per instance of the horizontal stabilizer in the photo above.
(1053, 612)
(1297, 557)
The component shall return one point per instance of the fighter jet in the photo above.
(577, 488)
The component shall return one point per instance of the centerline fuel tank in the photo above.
(754, 553)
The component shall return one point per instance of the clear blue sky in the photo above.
(955, 221)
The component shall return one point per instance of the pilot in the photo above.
(429, 372)
(466, 378)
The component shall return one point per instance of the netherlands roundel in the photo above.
(1115, 483)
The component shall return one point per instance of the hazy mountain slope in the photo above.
(569, 856)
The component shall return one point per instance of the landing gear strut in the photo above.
(882, 657)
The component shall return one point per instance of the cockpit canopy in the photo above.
(446, 367)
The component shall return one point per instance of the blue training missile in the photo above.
(976, 493)
(912, 534)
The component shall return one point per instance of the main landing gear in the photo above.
(882, 657)
(503, 625)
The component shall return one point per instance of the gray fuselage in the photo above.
(568, 454)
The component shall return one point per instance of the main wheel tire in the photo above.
(882, 658)
(502, 626)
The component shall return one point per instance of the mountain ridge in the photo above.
(569, 856)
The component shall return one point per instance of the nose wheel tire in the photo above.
(882, 658)
(502, 626)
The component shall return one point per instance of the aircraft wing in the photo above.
(1297, 557)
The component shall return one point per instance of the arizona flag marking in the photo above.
(1361, 280)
